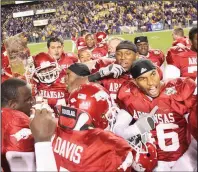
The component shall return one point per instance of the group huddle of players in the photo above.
(115, 105)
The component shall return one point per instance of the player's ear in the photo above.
(12, 104)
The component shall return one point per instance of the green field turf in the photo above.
(158, 40)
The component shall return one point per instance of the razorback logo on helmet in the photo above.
(101, 95)
(22, 134)
(45, 64)
(101, 37)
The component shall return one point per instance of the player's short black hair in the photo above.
(192, 33)
(84, 32)
(54, 39)
(179, 31)
(9, 90)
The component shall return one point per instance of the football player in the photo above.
(76, 134)
(174, 99)
(155, 55)
(101, 49)
(112, 44)
(184, 64)
(179, 39)
(49, 80)
(17, 141)
(90, 41)
(84, 55)
(56, 49)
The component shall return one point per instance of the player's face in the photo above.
(194, 42)
(112, 46)
(149, 82)
(142, 48)
(85, 56)
(70, 77)
(125, 58)
(55, 50)
(89, 39)
(25, 101)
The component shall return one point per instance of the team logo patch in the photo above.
(22, 134)
(170, 91)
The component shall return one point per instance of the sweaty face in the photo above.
(194, 42)
(24, 100)
(85, 56)
(149, 82)
(55, 50)
(90, 42)
(112, 46)
(142, 48)
(125, 58)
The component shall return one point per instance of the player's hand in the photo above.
(114, 69)
(146, 123)
(43, 125)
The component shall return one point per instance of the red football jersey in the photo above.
(89, 150)
(192, 120)
(67, 59)
(183, 40)
(176, 98)
(173, 51)
(156, 56)
(53, 92)
(100, 52)
(186, 61)
(15, 132)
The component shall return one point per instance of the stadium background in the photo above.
(62, 18)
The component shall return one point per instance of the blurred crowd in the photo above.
(94, 16)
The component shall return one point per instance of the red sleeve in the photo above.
(123, 93)
(172, 58)
(17, 136)
(192, 120)
(162, 58)
(184, 97)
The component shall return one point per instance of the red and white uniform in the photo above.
(54, 93)
(156, 56)
(186, 62)
(183, 40)
(16, 135)
(67, 59)
(175, 100)
(100, 52)
(110, 83)
(76, 150)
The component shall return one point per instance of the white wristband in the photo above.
(45, 160)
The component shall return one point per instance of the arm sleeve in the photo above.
(45, 160)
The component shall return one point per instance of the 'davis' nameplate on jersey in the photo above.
(69, 112)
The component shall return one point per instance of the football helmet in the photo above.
(80, 43)
(45, 61)
(93, 99)
(101, 38)
(144, 153)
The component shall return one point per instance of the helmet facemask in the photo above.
(49, 76)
